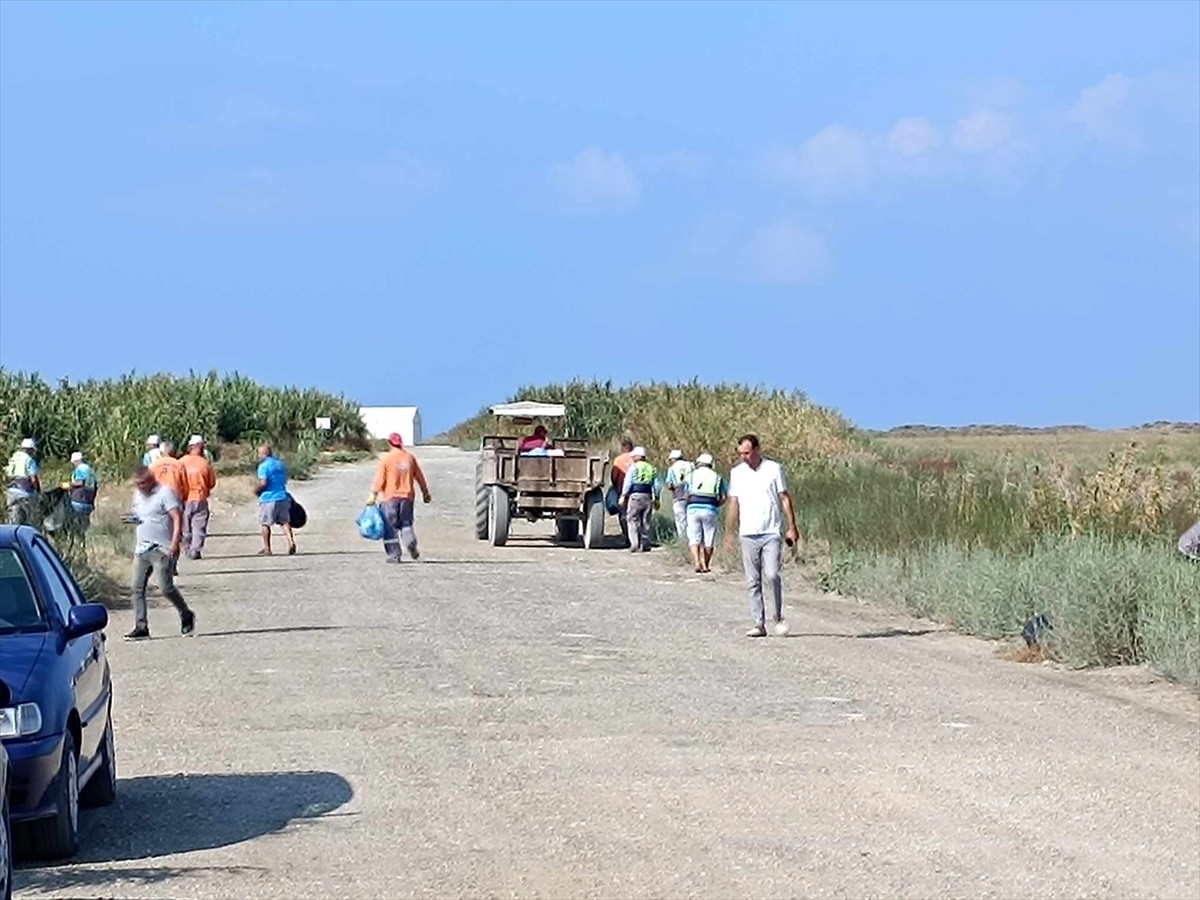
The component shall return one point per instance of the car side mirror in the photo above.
(86, 619)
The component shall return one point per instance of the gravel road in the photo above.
(536, 721)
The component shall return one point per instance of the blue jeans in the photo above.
(398, 526)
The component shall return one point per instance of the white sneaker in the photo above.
(781, 628)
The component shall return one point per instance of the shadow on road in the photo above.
(283, 629)
(300, 552)
(867, 635)
(76, 877)
(162, 815)
(185, 574)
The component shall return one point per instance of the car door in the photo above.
(84, 655)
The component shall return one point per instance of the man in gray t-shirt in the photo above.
(159, 518)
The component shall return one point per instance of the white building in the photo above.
(383, 420)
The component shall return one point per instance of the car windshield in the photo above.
(19, 608)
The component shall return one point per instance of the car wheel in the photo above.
(101, 790)
(58, 836)
(6, 847)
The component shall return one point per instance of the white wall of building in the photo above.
(383, 420)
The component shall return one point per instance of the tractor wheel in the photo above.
(498, 516)
(568, 530)
(593, 523)
(482, 499)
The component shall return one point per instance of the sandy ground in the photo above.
(538, 721)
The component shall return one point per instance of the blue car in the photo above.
(56, 722)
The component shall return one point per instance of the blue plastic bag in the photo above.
(612, 501)
(370, 523)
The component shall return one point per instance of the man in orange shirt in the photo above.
(201, 479)
(620, 466)
(395, 478)
(169, 473)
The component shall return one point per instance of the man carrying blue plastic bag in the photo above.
(395, 484)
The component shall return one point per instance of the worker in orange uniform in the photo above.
(620, 466)
(201, 479)
(393, 488)
(169, 473)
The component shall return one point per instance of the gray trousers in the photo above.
(195, 526)
(398, 526)
(1189, 542)
(639, 514)
(22, 511)
(681, 525)
(761, 557)
(155, 559)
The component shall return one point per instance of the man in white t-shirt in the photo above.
(757, 491)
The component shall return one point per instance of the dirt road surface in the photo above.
(535, 721)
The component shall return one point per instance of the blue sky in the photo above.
(939, 213)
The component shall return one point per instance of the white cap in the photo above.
(77, 456)
(674, 455)
(704, 459)
(152, 440)
(639, 451)
(194, 440)
(28, 444)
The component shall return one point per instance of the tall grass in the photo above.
(1110, 601)
(111, 419)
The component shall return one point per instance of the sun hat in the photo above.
(674, 455)
(395, 439)
(638, 451)
(194, 440)
(77, 456)
(704, 459)
(152, 441)
(28, 444)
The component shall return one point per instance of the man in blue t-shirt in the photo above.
(274, 502)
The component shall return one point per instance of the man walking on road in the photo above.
(620, 465)
(639, 499)
(153, 450)
(706, 492)
(82, 490)
(157, 513)
(201, 479)
(678, 470)
(757, 490)
(395, 478)
(169, 471)
(23, 485)
(274, 502)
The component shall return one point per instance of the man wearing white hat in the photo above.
(678, 470)
(639, 499)
(201, 479)
(22, 484)
(153, 450)
(82, 490)
(706, 492)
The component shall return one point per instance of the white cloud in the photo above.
(785, 252)
(984, 131)
(597, 179)
(836, 160)
(913, 136)
(998, 93)
(1098, 109)
(679, 163)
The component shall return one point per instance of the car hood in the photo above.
(18, 656)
